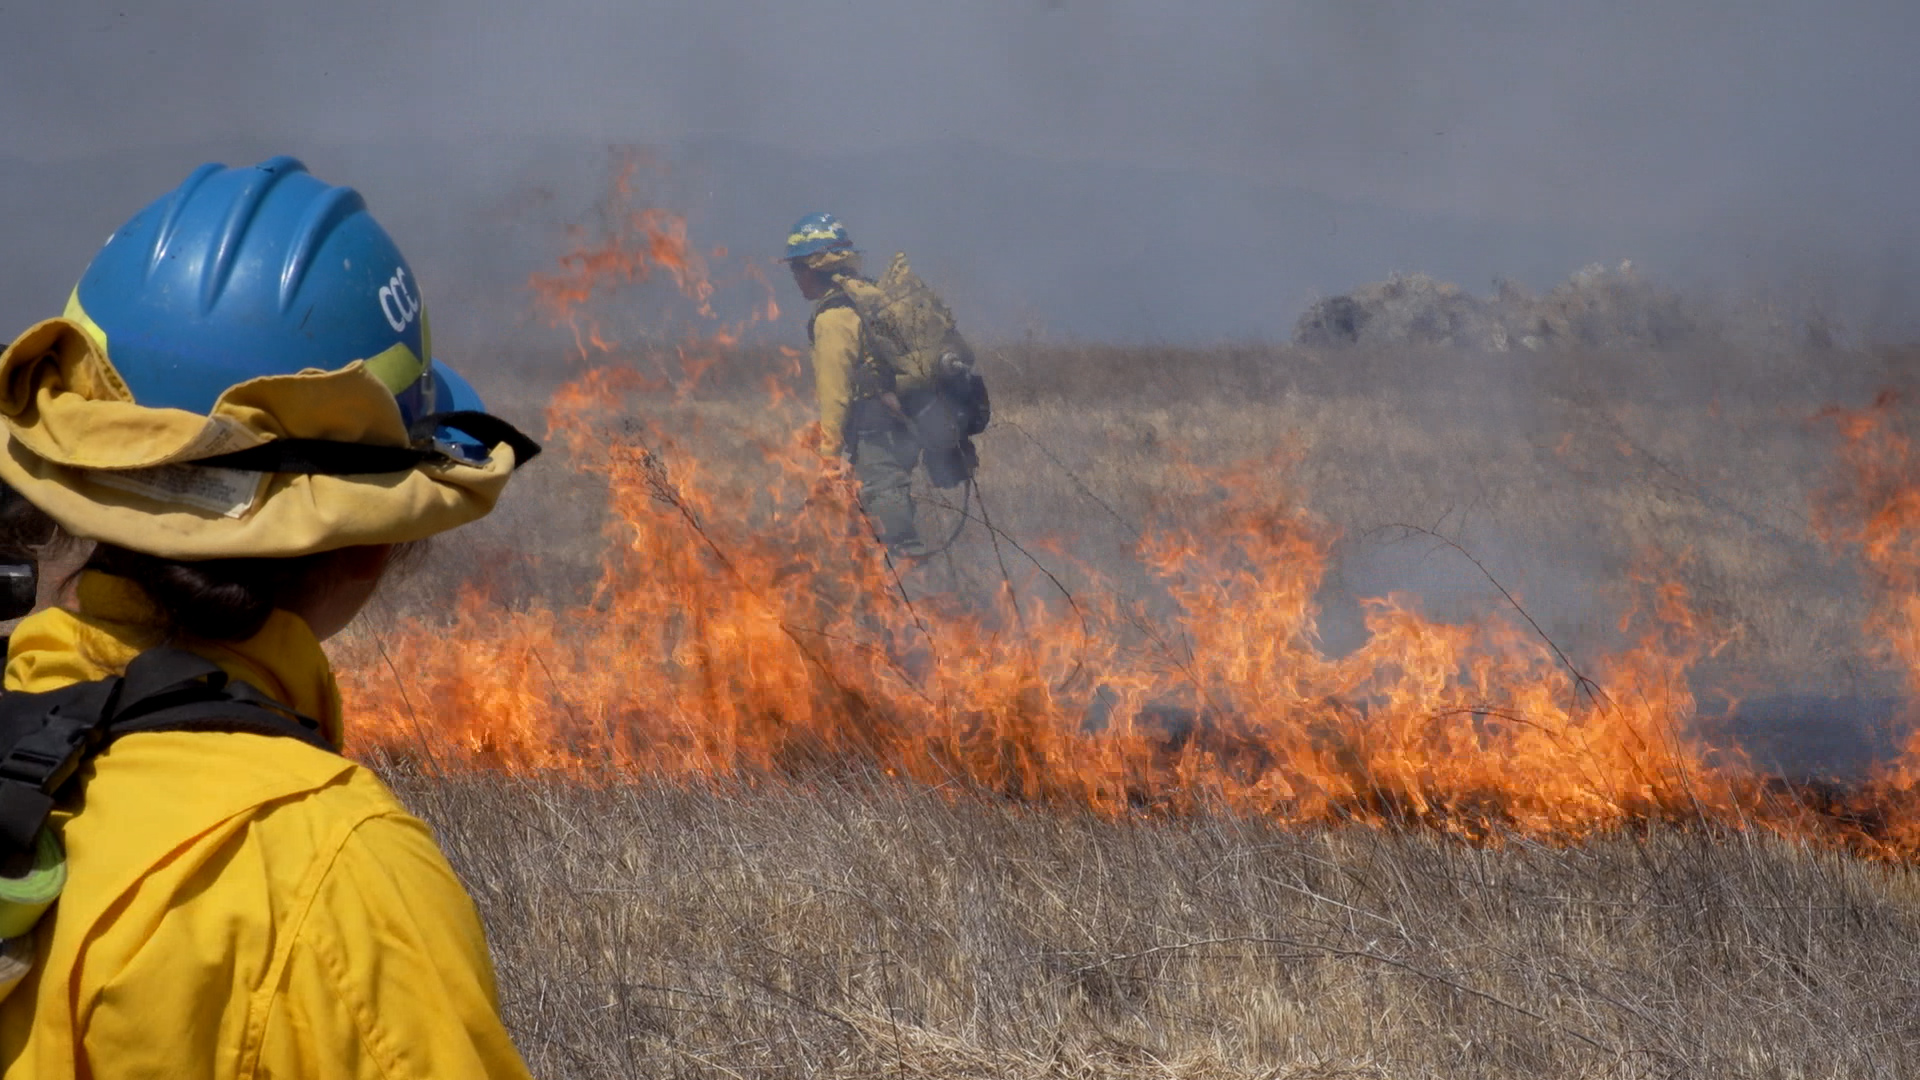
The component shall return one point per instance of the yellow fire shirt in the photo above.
(241, 905)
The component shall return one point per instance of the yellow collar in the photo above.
(115, 621)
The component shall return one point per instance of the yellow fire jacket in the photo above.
(241, 905)
(836, 353)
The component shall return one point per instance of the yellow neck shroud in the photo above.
(108, 469)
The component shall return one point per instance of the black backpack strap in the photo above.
(158, 676)
(45, 737)
(235, 716)
(829, 302)
(174, 690)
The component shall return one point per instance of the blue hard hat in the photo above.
(454, 394)
(815, 233)
(240, 273)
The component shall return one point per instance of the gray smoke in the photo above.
(1184, 171)
(1119, 169)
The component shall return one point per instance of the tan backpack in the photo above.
(926, 367)
(908, 327)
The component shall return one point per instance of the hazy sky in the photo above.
(1784, 129)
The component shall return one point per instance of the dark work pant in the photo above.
(883, 460)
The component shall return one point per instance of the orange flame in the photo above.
(633, 242)
(725, 639)
(1874, 506)
(711, 647)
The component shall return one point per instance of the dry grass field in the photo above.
(827, 921)
(842, 927)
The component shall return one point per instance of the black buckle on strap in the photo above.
(48, 754)
(45, 758)
(52, 733)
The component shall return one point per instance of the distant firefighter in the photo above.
(895, 379)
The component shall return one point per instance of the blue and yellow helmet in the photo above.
(244, 272)
(815, 233)
(245, 371)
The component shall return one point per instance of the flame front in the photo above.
(714, 647)
(635, 242)
(764, 635)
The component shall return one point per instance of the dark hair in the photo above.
(217, 599)
(25, 530)
(229, 599)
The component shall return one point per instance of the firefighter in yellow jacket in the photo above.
(857, 418)
(241, 411)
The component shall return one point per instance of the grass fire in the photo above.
(1137, 777)
(1042, 540)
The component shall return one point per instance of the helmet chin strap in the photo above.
(330, 458)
